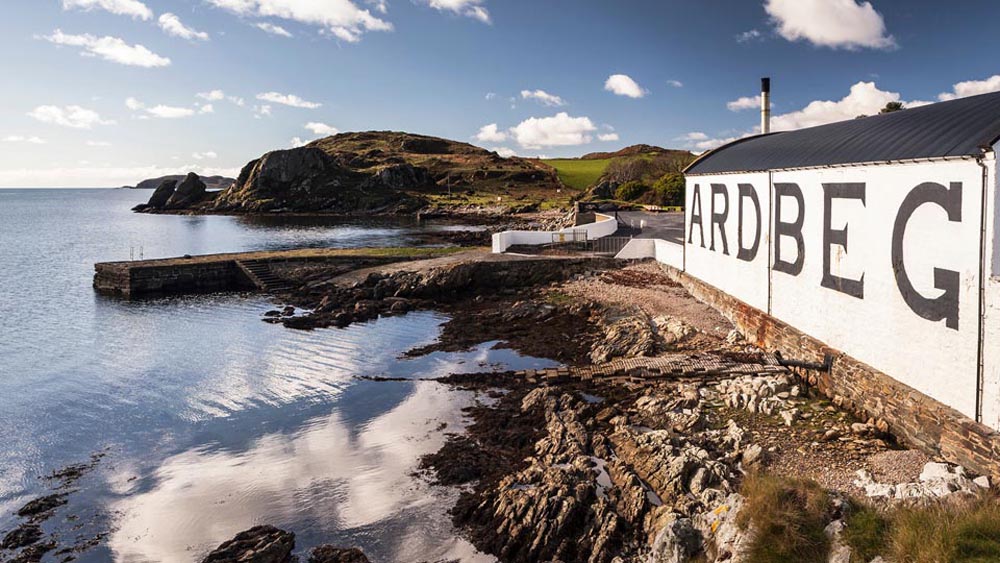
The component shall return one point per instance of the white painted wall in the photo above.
(670, 253)
(604, 225)
(638, 248)
(746, 280)
(881, 329)
(991, 331)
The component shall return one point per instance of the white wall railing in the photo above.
(603, 226)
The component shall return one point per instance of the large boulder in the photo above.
(260, 544)
(162, 194)
(189, 192)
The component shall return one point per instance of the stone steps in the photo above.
(261, 275)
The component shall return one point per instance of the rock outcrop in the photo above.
(374, 172)
(162, 194)
(330, 554)
(609, 483)
(170, 195)
(189, 192)
(260, 544)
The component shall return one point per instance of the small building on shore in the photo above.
(876, 236)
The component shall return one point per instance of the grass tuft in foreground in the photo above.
(957, 531)
(788, 517)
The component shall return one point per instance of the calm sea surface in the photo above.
(212, 420)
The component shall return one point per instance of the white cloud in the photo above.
(69, 116)
(169, 112)
(830, 23)
(92, 176)
(709, 144)
(287, 99)
(321, 128)
(261, 111)
(22, 139)
(297, 142)
(381, 6)
(543, 97)
(623, 85)
(110, 49)
(342, 18)
(864, 99)
(212, 96)
(746, 102)
(675, 83)
(133, 8)
(236, 100)
(172, 25)
(273, 29)
(164, 112)
(748, 36)
(491, 95)
(972, 88)
(700, 142)
(607, 137)
(207, 155)
(491, 134)
(98, 144)
(558, 130)
(504, 151)
(470, 8)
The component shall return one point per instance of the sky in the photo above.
(103, 93)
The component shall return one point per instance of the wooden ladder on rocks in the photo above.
(261, 275)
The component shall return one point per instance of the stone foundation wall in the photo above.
(197, 277)
(911, 416)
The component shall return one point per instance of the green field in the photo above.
(578, 174)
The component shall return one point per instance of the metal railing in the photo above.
(608, 246)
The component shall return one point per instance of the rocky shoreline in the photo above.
(603, 460)
(594, 470)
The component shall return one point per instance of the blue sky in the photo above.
(106, 92)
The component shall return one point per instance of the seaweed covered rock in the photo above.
(330, 554)
(260, 544)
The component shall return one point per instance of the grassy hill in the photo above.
(578, 174)
(582, 173)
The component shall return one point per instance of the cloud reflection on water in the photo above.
(337, 479)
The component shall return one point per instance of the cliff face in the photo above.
(377, 172)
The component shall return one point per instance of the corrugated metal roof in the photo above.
(945, 129)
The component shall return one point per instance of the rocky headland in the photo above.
(371, 173)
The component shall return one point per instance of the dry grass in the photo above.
(963, 532)
(788, 517)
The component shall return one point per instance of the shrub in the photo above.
(669, 189)
(788, 517)
(631, 191)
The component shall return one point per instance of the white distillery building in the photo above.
(876, 236)
(874, 241)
